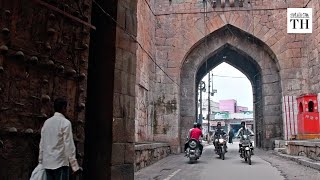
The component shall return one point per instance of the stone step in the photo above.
(281, 150)
(301, 160)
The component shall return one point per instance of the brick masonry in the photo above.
(149, 153)
(310, 149)
(179, 36)
(145, 79)
(151, 103)
(123, 153)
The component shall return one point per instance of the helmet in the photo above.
(195, 125)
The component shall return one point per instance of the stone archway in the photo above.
(252, 57)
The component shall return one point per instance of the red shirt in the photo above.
(195, 134)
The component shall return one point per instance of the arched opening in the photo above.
(254, 59)
(231, 99)
(300, 107)
(247, 66)
(310, 106)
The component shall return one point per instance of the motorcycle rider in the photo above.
(188, 137)
(219, 131)
(243, 131)
(195, 134)
(194, 126)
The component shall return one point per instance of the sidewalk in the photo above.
(299, 159)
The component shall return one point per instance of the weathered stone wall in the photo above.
(310, 149)
(147, 154)
(156, 100)
(44, 55)
(180, 27)
(145, 78)
(312, 47)
(124, 91)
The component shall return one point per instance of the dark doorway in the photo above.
(99, 115)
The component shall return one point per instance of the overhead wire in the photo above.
(134, 39)
(229, 76)
(307, 3)
(216, 11)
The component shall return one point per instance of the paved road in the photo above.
(209, 166)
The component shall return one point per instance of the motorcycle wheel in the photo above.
(222, 154)
(245, 156)
(249, 157)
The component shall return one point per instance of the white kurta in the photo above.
(57, 147)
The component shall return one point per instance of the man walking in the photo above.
(57, 149)
(231, 135)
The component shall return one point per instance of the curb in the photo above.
(301, 160)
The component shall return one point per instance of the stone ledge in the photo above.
(149, 145)
(308, 148)
(280, 143)
(304, 143)
(301, 160)
(148, 153)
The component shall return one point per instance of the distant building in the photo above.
(233, 120)
(228, 113)
(214, 107)
(229, 105)
(241, 109)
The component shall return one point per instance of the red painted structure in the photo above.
(308, 114)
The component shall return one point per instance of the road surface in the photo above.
(264, 167)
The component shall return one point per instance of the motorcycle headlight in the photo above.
(192, 144)
(245, 137)
(221, 140)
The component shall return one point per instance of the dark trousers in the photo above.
(186, 146)
(201, 148)
(61, 173)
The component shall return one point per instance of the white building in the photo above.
(214, 107)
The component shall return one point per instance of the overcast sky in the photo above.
(234, 86)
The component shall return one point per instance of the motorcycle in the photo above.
(221, 146)
(193, 150)
(246, 150)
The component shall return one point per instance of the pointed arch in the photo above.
(253, 58)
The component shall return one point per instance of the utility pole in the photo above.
(209, 107)
(210, 93)
(200, 118)
(202, 87)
